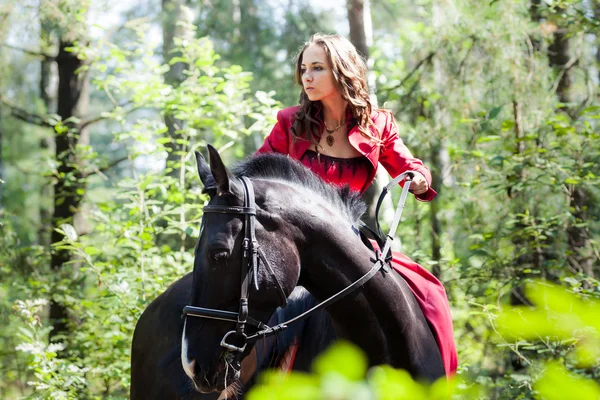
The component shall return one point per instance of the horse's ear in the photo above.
(205, 175)
(221, 175)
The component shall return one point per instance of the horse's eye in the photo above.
(220, 255)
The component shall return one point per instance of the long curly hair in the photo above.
(350, 73)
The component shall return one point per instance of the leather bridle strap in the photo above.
(280, 290)
(251, 252)
(399, 208)
(249, 272)
(249, 258)
(269, 331)
(221, 315)
(385, 246)
(379, 264)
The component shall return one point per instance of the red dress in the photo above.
(359, 173)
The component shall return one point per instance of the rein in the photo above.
(379, 263)
(252, 252)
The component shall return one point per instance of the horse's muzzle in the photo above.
(224, 374)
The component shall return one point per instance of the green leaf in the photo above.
(278, 386)
(70, 232)
(489, 138)
(557, 384)
(494, 112)
(91, 250)
(342, 358)
(146, 182)
(394, 384)
(507, 125)
(176, 60)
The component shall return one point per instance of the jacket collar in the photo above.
(362, 144)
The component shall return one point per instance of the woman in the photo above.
(338, 135)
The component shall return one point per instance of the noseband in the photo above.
(251, 254)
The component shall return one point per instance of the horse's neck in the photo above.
(333, 262)
(332, 255)
(382, 317)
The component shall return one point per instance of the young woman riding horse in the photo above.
(338, 135)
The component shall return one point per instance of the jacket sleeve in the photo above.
(396, 158)
(278, 139)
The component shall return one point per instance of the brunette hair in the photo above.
(350, 73)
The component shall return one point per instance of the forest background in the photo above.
(102, 104)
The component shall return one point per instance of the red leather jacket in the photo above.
(392, 154)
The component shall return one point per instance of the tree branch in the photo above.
(110, 165)
(91, 121)
(464, 60)
(26, 116)
(46, 57)
(425, 60)
(99, 118)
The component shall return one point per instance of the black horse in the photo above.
(156, 369)
(306, 232)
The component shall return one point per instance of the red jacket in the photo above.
(392, 154)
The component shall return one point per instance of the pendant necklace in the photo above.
(329, 139)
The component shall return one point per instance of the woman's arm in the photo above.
(396, 158)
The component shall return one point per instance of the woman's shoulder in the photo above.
(381, 115)
(383, 120)
(288, 112)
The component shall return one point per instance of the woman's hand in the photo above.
(419, 184)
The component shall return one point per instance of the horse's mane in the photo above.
(280, 167)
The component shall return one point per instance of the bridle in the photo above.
(252, 253)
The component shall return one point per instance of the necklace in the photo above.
(329, 139)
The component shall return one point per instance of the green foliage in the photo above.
(475, 95)
(144, 225)
(341, 373)
(558, 383)
(564, 325)
(53, 377)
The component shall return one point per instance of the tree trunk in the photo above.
(174, 11)
(535, 11)
(441, 121)
(581, 257)
(361, 36)
(536, 16)
(356, 19)
(4, 14)
(597, 17)
(558, 54)
(47, 143)
(246, 22)
(1, 158)
(578, 239)
(73, 100)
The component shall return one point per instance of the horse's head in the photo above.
(231, 283)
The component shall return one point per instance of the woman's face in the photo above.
(317, 77)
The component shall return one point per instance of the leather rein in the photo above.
(252, 253)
